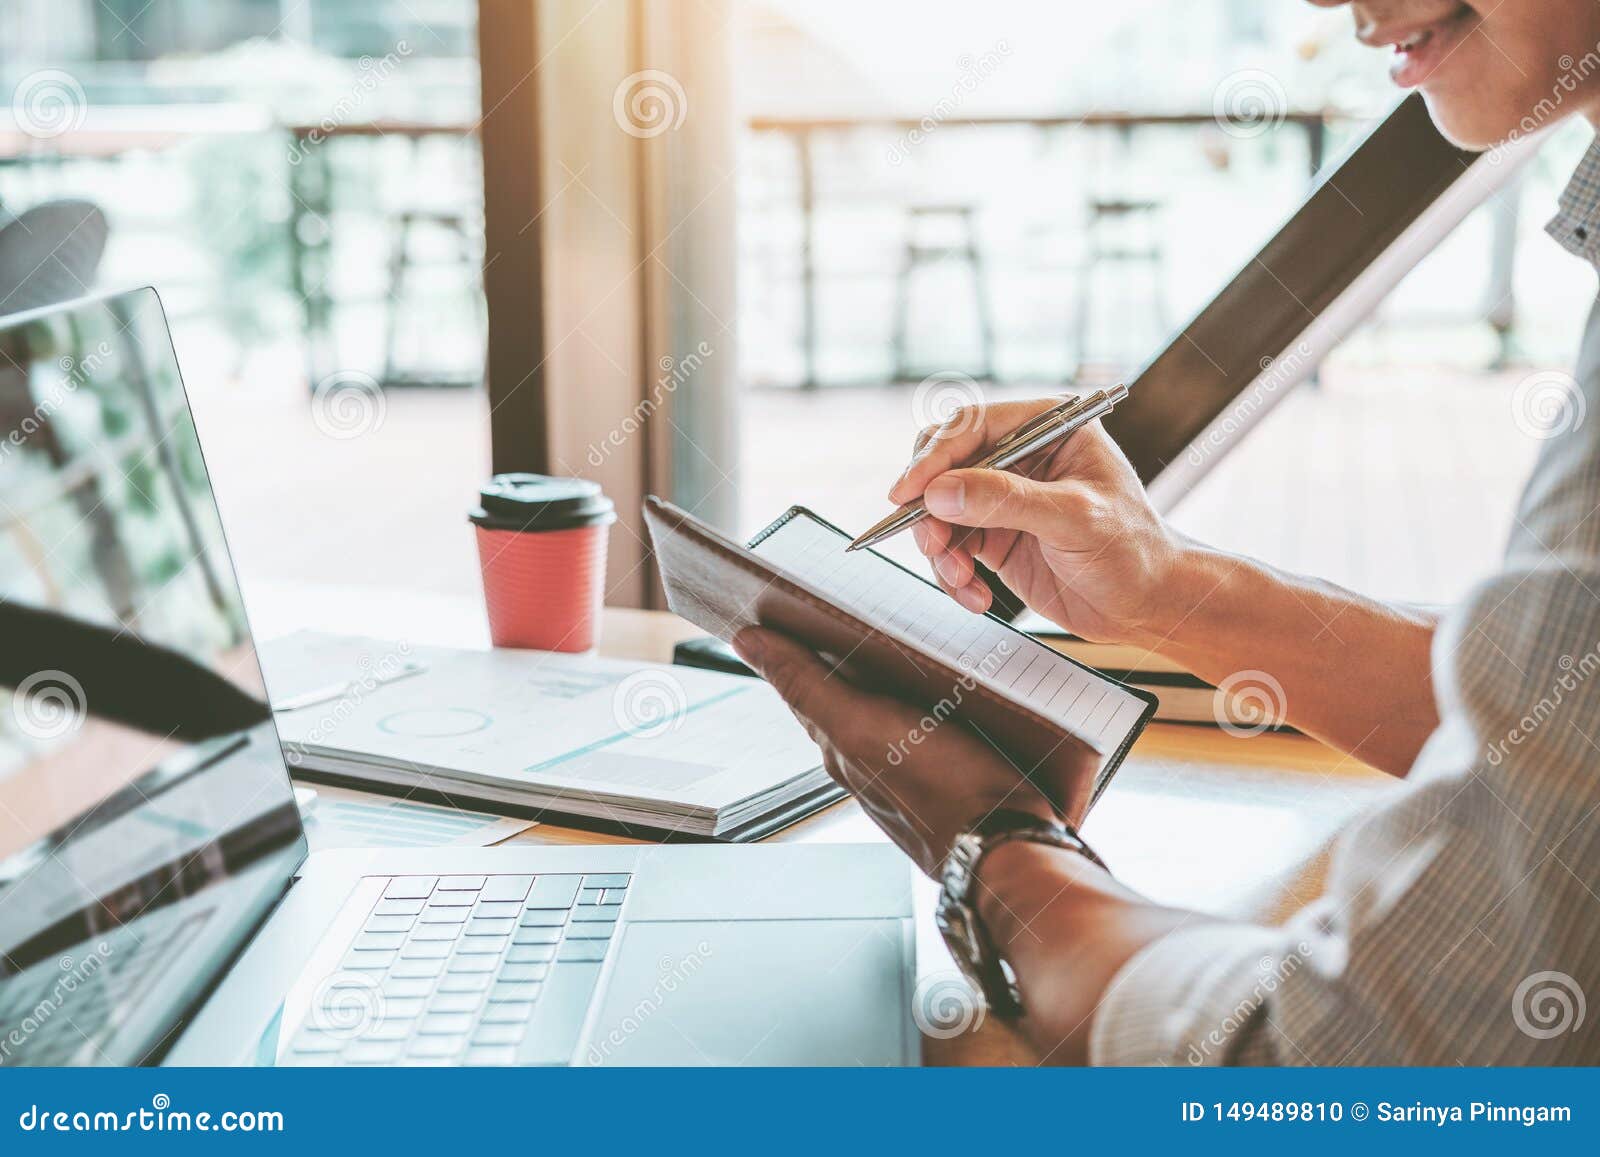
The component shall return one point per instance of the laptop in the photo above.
(157, 901)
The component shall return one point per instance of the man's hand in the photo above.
(1071, 532)
(922, 784)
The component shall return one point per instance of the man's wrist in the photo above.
(1016, 881)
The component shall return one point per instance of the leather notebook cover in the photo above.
(1017, 694)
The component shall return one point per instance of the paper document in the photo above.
(672, 747)
(341, 818)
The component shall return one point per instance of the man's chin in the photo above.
(1467, 126)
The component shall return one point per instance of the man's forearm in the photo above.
(1352, 671)
(1066, 928)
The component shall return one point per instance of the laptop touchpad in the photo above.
(755, 992)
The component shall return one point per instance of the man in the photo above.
(1461, 923)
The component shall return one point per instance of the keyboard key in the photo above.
(478, 927)
(613, 896)
(455, 1002)
(388, 1030)
(582, 950)
(590, 931)
(448, 1023)
(444, 915)
(482, 945)
(464, 981)
(554, 891)
(313, 1042)
(372, 1052)
(402, 1007)
(499, 1034)
(410, 969)
(368, 961)
(537, 936)
(512, 888)
(461, 884)
(520, 972)
(435, 1047)
(615, 880)
(507, 993)
(435, 932)
(403, 988)
(461, 964)
(453, 900)
(531, 954)
(497, 909)
(398, 907)
(389, 923)
(378, 940)
(425, 950)
(590, 895)
(508, 1012)
(594, 915)
(491, 1055)
(409, 888)
(544, 917)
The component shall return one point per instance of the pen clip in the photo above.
(1033, 425)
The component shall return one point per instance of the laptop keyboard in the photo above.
(475, 970)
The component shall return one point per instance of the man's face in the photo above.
(1488, 66)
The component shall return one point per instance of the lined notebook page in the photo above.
(903, 606)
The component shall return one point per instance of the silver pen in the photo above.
(1054, 424)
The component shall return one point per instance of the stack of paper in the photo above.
(628, 744)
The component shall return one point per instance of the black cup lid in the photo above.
(541, 502)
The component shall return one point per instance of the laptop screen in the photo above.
(146, 820)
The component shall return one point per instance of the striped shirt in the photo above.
(1461, 921)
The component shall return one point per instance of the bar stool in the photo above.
(1122, 232)
(934, 234)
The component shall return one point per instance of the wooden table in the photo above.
(1196, 817)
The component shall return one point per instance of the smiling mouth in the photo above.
(1419, 53)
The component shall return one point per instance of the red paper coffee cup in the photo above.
(542, 548)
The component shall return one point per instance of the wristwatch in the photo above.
(957, 913)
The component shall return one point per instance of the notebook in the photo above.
(884, 627)
(617, 744)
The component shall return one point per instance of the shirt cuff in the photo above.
(1194, 997)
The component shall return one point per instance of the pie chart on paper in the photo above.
(436, 722)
